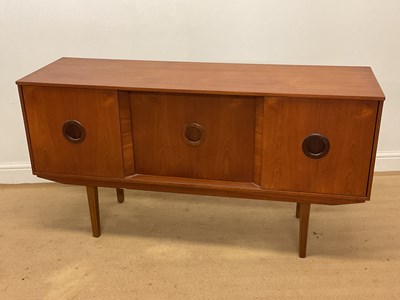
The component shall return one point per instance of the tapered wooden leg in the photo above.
(297, 210)
(120, 195)
(93, 200)
(304, 220)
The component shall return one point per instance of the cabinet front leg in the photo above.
(120, 195)
(304, 212)
(93, 200)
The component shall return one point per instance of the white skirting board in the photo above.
(387, 161)
(14, 173)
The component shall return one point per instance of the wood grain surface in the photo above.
(324, 82)
(227, 151)
(196, 186)
(349, 127)
(126, 132)
(374, 149)
(258, 140)
(48, 108)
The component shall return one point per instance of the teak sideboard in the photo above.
(303, 134)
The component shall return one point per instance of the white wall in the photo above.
(353, 32)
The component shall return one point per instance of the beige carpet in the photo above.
(171, 246)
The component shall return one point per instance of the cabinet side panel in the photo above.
(22, 101)
(126, 132)
(98, 154)
(258, 143)
(375, 146)
(349, 127)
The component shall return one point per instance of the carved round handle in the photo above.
(194, 134)
(316, 146)
(73, 131)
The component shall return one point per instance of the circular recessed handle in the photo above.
(194, 134)
(73, 131)
(316, 146)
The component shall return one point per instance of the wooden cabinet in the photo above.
(304, 134)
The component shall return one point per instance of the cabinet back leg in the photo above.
(120, 195)
(304, 212)
(93, 200)
(297, 210)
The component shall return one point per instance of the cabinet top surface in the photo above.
(328, 82)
